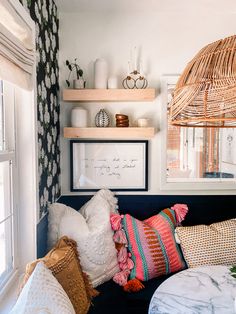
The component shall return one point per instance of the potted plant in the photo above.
(79, 82)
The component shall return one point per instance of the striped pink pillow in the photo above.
(151, 244)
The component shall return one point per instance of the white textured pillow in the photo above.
(90, 228)
(43, 294)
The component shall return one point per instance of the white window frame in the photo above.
(9, 154)
(183, 184)
(26, 197)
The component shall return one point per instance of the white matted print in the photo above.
(229, 145)
(117, 165)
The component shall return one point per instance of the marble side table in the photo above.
(202, 290)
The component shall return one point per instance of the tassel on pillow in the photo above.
(121, 278)
(133, 285)
(180, 211)
(115, 220)
(129, 264)
(120, 237)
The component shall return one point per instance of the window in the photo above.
(196, 158)
(18, 143)
(8, 175)
(18, 183)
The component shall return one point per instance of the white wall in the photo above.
(166, 40)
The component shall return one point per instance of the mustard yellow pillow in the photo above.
(64, 263)
(209, 245)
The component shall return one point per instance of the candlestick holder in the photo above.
(135, 80)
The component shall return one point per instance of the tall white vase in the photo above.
(100, 73)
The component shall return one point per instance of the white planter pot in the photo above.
(79, 84)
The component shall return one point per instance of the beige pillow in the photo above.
(209, 245)
(63, 261)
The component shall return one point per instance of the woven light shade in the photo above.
(205, 94)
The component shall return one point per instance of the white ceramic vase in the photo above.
(79, 117)
(100, 73)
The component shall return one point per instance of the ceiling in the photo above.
(207, 6)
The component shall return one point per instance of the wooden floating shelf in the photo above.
(114, 132)
(109, 94)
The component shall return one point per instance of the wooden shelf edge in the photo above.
(111, 133)
(93, 95)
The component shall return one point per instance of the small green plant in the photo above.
(233, 271)
(73, 66)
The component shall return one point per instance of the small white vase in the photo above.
(79, 117)
(143, 122)
(100, 73)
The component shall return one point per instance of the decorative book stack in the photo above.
(122, 120)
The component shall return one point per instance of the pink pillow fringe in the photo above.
(124, 261)
(180, 211)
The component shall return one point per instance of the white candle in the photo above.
(135, 59)
(131, 63)
(112, 82)
(128, 68)
(140, 67)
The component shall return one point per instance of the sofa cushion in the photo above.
(138, 302)
(113, 299)
(209, 245)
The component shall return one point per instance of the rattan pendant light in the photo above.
(205, 94)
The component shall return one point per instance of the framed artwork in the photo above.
(119, 165)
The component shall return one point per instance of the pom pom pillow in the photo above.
(209, 245)
(151, 244)
(90, 228)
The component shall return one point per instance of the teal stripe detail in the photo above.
(140, 249)
(133, 273)
(166, 217)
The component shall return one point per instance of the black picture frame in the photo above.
(108, 162)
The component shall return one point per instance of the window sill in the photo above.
(9, 296)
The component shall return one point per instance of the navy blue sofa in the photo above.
(202, 210)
